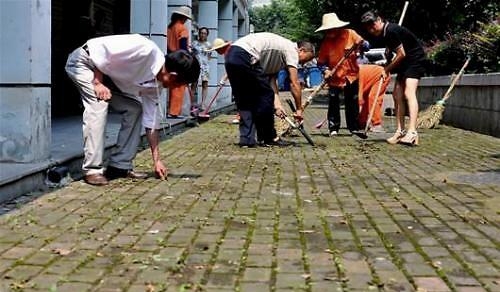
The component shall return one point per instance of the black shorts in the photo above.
(413, 70)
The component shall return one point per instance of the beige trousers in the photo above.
(80, 69)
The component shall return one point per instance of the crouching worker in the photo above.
(113, 71)
(369, 81)
(252, 65)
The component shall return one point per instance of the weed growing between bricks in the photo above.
(376, 281)
(302, 230)
(397, 197)
(437, 268)
(351, 215)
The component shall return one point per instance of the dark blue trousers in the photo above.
(350, 92)
(253, 94)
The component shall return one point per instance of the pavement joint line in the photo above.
(185, 253)
(333, 249)
(227, 221)
(428, 258)
(415, 244)
(376, 281)
(444, 191)
(274, 263)
(251, 229)
(461, 189)
(300, 226)
(46, 244)
(280, 214)
(388, 246)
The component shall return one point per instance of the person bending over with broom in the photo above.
(252, 65)
(371, 96)
(222, 47)
(408, 63)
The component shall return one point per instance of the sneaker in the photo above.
(377, 129)
(333, 133)
(235, 121)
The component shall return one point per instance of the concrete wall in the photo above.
(208, 13)
(25, 65)
(474, 103)
(25, 72)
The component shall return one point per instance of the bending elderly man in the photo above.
(114, 71)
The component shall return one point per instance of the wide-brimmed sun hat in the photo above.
(183, 10)
(331, 20)
(218, 43)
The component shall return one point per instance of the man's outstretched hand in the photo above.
(279, 112)
(299, 116)
(161, 170)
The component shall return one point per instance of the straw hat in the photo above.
(218, 43)
(331, 20)
(183, 10)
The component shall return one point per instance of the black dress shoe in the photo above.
(96, 179)
(359, 133)
(114, 173)
(279, 143)
(169, 116)
(245, 145)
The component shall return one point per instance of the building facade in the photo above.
(36, 37)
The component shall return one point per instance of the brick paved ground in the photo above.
(346, 215)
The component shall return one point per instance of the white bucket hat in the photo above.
(218, 43)
(183, 10)
(331, 20)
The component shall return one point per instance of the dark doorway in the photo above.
(73, 23)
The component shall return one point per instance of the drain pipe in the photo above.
(150, 15)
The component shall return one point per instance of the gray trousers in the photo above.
(81, 70)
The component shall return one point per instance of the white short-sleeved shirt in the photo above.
(132, 62)
(151, 113)
(274, 52)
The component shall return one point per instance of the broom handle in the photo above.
(400, 22)
(455, 80)
(323, 83)
(219, 88)
(374, 105)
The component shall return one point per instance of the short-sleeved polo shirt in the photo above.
(131, 61)
(274, 52)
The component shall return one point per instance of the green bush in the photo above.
(483, 46)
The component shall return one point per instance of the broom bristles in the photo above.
(430, 117)
(282, 127)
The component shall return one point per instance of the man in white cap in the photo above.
(338, 39)
(222, 47)
(252, 65)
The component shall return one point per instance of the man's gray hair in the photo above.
(307, 46)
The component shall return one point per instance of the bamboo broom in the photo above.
(430, 117)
